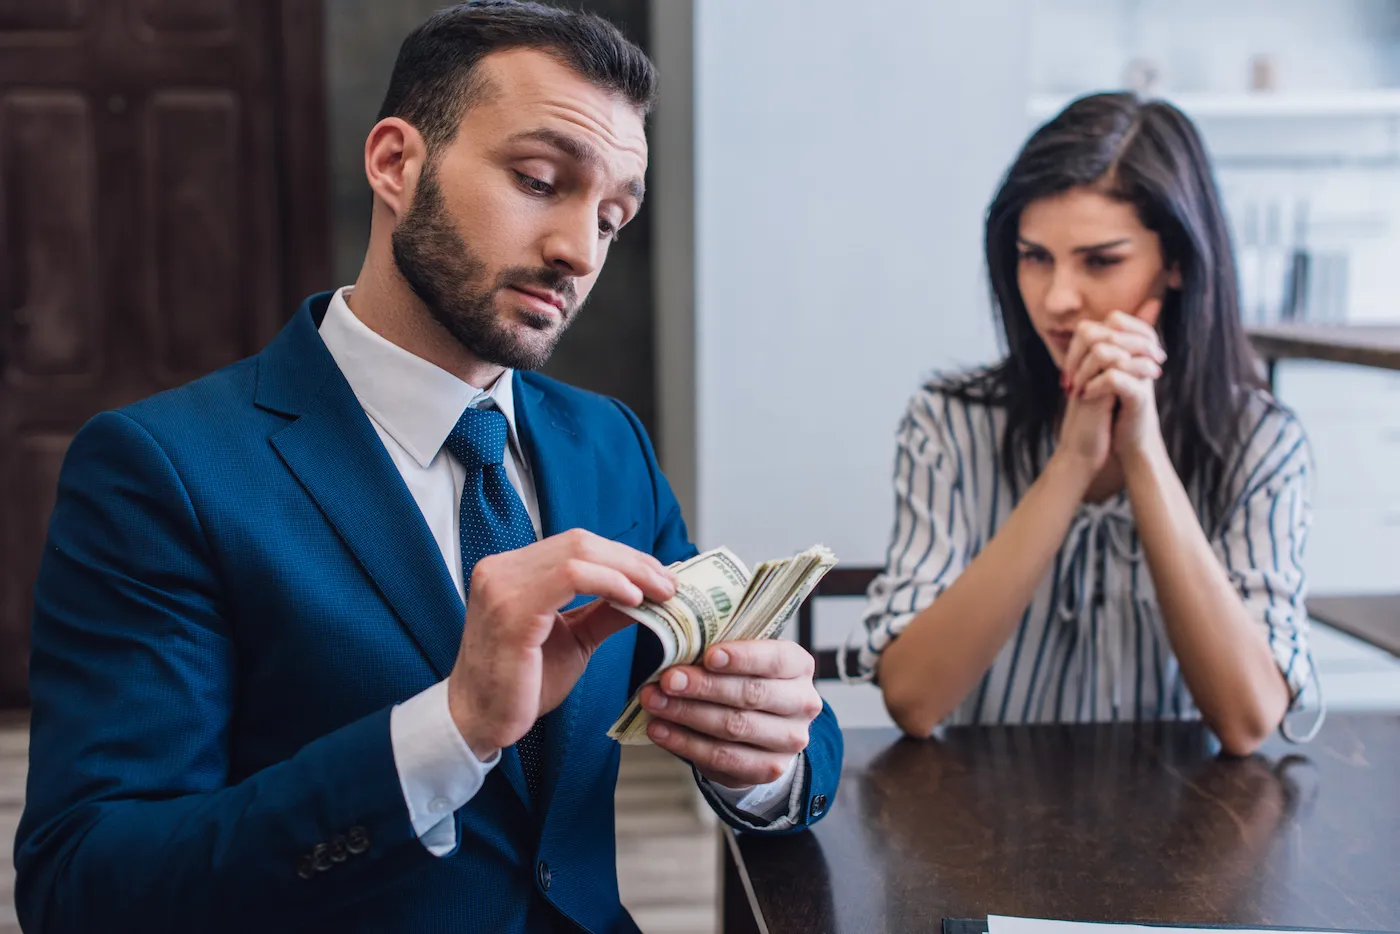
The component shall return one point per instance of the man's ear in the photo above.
(394, 157)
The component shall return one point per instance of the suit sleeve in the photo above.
(131, 822)
(821, 767)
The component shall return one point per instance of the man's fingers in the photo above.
(731, 724)
(739, 764)
(644, 571)
(786, 697)
(584, 578)
(764, 658)
(548, 574)
(593, 623)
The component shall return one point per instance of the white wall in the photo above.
(842, 164)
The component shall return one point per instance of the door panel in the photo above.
(154, 155)
(47, 166)
(195, 251)
(36, 15)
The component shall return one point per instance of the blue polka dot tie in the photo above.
(492, 519)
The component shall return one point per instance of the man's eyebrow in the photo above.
(579, 151)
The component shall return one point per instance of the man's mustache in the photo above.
(550, 279)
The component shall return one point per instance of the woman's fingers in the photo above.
(1097, 347)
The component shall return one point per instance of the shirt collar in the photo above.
(416, 402)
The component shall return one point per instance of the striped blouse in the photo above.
(1092, 645)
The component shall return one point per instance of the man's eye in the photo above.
(607, 230)
(534, 184)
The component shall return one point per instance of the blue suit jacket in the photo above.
(236, 589)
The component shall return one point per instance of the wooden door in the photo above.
(162, 210)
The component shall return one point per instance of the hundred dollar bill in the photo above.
(718, 600)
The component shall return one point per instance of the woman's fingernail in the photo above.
(719, 658)
(678, 682)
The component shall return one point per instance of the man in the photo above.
(256, 704)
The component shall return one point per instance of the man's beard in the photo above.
(447, 278)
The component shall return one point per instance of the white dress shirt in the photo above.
(413, 405)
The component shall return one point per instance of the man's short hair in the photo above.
(435, 78)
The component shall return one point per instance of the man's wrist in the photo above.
(468, 725)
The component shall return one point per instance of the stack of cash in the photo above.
(718, 600)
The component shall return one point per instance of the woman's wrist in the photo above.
(1146, 459)
(1069, 474)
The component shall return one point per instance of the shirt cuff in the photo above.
(438, 771)
(774, 806)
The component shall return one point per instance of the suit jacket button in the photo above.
(357, 841)
(321, 857)
(338, 849)
(818, 805)
(543, 874)
(304, 867)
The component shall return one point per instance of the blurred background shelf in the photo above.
(1383, 102)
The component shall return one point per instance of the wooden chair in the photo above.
(839, 582)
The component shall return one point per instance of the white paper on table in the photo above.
(1000, 924)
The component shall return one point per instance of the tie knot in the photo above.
(478, 438)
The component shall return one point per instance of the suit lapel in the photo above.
(561, 462)
(565, 472)
(335, 454)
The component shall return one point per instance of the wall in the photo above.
(842, 164)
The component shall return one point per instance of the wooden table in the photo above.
(1097, 823)
(1373, 619)
(1362, 345)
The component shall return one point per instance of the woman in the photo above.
(1108, 524)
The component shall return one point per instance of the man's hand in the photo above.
(743, 716)
(520, 656)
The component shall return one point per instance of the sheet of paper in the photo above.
(1000, 924)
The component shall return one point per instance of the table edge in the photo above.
(1338, 621)
(741, 869)
(1275, 346)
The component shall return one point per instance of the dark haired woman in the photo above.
(1108, 524)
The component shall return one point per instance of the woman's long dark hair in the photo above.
(1149, 155)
